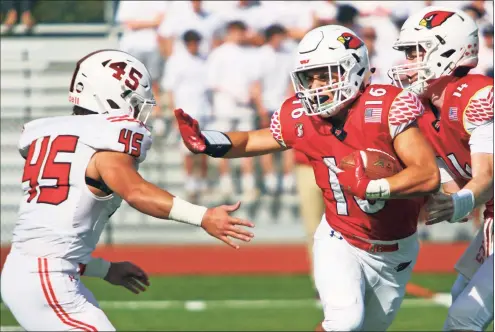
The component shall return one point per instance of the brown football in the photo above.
(377, 164)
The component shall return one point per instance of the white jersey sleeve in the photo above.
(481, 140)
(404, 111)
(120, 133)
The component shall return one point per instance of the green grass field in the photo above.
(233, 303)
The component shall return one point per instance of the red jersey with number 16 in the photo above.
(380, 114)
(59, 217)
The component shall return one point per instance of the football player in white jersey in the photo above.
(78, 169)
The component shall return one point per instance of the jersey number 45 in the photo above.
(41, 166)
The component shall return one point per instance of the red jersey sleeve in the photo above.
(276, 128)
(404, 111)
(283, 119)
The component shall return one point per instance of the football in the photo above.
(377, 164)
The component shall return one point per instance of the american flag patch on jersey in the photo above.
(373, 115)
(453, 114)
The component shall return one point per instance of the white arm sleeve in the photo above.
(481, 140)
(445, 173)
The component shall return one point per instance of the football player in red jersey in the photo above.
(366, 245)
(441, 46)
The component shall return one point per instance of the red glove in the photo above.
(190, 132)
(353, 181)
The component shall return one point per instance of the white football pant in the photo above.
(359, 290)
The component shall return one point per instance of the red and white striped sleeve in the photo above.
(404, 111)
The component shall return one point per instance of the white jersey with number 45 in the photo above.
(59, 217)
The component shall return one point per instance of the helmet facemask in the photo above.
(140, 108)
(414, 76)
(329, 99)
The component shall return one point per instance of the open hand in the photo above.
(218, 223)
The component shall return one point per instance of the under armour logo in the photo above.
(402, 266)
(332, 234)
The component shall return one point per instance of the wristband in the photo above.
(378, 189)
(186, 212)
(217, 143)
(463, 202)
(97, 267)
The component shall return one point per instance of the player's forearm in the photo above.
(252, 143)
(414, 181)
(482, 188)
(481, 185)
(153, 201)
(96, 267)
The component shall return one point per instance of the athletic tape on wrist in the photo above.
(97, 267)
(463, 201)
(183, 211)
(378, 189)
(217, 143)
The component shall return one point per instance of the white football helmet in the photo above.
(107, 81)
(448, 38)
(339, 51)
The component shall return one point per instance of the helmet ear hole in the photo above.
(447, 54)
(112, 104)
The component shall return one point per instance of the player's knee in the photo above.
(459, 285)
(343, 320)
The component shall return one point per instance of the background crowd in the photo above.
(227, 63)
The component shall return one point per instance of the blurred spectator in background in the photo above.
(295, 16)
(184, 16)
(275, 65)
(232, 78)
(347, 15)
(324, 12)
(248, 12)
(486, 53)
(477, 10)
(311, 205)
(13, 8)
(184, 83)
(140, 19)
(377, 61)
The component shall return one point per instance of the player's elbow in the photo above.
(134, 196)
(431, 179)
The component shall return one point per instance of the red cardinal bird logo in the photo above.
(434, 19)
(350, 41)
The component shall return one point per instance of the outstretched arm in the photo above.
(252, 143)
(216, 144)
(118, 172)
